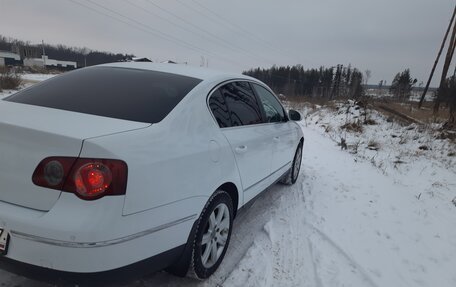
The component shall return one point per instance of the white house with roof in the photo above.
(44, 61)
(9, 58)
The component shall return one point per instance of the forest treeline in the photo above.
(334, 82)
(82, 56)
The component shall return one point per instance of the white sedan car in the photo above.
(129, 164)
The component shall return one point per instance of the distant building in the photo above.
(26, 51)
(136, 59)
(9, 59)
(44, 61)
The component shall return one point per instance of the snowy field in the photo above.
(28, 80)
(379, 213)
(37, 77)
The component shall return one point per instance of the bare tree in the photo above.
(368, 74)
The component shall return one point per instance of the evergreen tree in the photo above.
(402, 84)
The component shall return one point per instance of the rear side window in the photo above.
(242, 103)
(129, 94)
(219, 109)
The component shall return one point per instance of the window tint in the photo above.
(219, 109)
(130, 94)
(242, 103)
(272, 108)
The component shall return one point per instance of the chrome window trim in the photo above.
(69, 244)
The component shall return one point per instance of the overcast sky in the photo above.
(384, 36)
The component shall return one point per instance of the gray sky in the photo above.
(384, 36)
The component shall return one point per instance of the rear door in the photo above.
(283, 143)
(238, 113)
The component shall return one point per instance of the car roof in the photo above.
(204, 74)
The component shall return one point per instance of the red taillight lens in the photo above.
(88, 178)
(92, 179)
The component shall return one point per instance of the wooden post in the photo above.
(446, 66)
(437, 59)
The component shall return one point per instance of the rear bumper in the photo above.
(99, 239)
(119, 275)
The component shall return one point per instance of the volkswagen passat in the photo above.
(128, 163)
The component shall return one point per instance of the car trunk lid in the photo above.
(28, 134)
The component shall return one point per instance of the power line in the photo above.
(175, 24)
(249, 34)
(127, 23)
(225, 21)
(161, 17)
(163, 35)
(148, 29)
(246, 52)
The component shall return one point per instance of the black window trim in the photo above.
(250, 82)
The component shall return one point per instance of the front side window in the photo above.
(272, 108)
(242, 103)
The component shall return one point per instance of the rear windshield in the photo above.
(129, 94)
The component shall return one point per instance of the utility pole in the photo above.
(437, 59)
(44, 53)
(446, 66)
(85, 52)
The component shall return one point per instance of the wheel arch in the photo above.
(233, 192)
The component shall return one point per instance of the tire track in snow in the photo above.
(351, 262)
(318, 282)
(287, 234)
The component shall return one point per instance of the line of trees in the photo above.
(331, 83)
(82, 56)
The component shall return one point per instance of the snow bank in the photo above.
(37, 77)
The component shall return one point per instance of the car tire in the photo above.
(292, 174)
(212, 235)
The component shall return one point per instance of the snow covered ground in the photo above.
(377, 214)
(6, 93)
(28, 80)
(37, 77)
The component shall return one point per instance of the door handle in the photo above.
(276, 139)
(241, 149)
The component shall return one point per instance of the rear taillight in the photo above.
(88, 178)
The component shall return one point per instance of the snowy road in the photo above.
(344, 223)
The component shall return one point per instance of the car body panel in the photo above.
(284, 143)
(174, 166)
(170, 161)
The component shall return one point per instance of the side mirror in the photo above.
(294, 115)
